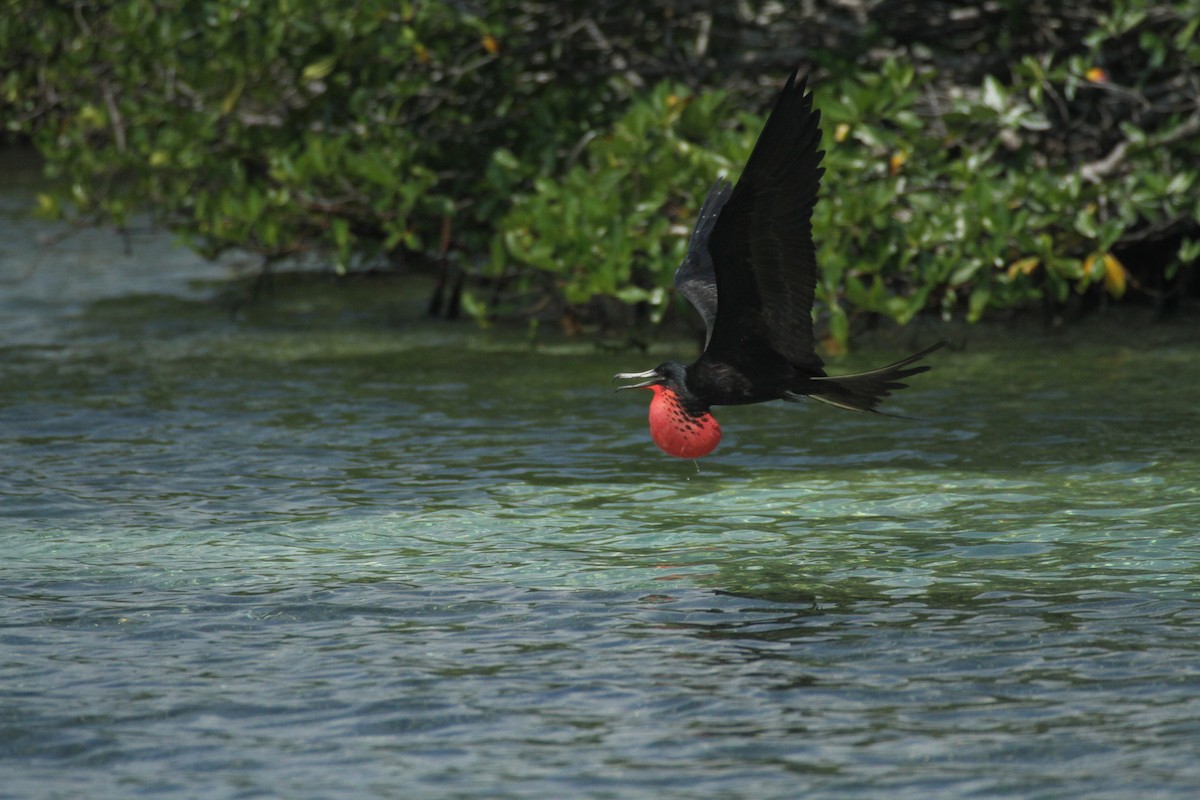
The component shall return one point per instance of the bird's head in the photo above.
(680, 423)
(670, 374)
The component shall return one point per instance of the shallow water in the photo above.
(306, 551)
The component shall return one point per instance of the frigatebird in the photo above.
(751, 270)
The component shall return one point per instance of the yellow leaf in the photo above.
(1023, 266)
(92, 117)
(318, 69)
(231, 99)
(1115, 276)
(46, 205)
(841, 132)
(832, 347)
(490, 44)
(159, 158)
(897, 161)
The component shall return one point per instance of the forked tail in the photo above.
(863, 391)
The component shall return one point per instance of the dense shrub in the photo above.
(289, 126)
(980, 158)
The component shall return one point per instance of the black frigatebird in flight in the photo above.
(751, 270)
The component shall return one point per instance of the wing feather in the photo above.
(695, 278)
(761, 245)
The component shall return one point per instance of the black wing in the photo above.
(761, 245)
(695, 278)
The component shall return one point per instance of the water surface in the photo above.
(301, 550)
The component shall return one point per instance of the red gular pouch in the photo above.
(677, 431)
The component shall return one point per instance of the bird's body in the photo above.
(751, 271)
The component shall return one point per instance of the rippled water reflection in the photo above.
(304, 552)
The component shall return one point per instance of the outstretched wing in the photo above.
(695, 278)
(761, 245)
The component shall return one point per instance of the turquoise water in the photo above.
(308, 551)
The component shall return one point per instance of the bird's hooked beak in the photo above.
(648, 378)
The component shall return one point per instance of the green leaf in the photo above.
(993, 94)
